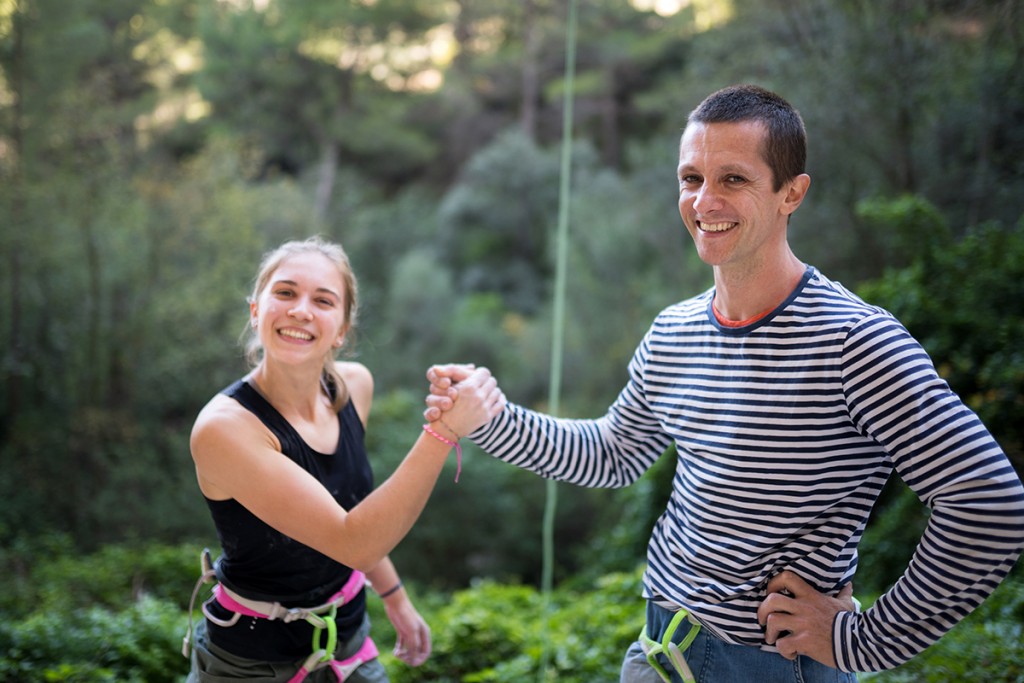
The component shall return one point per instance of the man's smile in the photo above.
(715, 227)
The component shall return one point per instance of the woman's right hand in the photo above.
(468, 398)
(443, 388)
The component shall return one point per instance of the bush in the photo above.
(489, 633)
(965, 302)
(495, 633)
(112, 577)
(138, 644)
(115, 615)
(986, 647)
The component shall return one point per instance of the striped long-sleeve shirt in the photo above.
(786, 431)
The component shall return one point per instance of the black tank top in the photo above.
(261, 563)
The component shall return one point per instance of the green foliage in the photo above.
(139, 643)
(909, 225)
(296, 76)
(488, 632)
(497, 245)
(986, 647)
(113, 631)
(965, 302)
(896, 525)
(113, 616)
(50, 576)
(495, 633)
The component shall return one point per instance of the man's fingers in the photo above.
(449, 373)
(777, 625)
(798, 618)
(774, 603)
(788, 582)
(845, 598)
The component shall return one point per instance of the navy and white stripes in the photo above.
(787, 430)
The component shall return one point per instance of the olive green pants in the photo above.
(210, 664)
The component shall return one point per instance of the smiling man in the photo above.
(790, 402)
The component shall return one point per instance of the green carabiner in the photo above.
(332, 635)
(669, 649)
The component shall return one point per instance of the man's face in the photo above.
(726, 195)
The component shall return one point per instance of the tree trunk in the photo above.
(12, 372)
(325, 179)
(531, 70)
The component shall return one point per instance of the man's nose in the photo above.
(707, 199)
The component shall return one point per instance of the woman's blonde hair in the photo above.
(272, 260)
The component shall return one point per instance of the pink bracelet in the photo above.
(455, 444)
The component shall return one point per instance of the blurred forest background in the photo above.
(152, 150)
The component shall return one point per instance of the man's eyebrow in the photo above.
(736, 169)
(727, 169)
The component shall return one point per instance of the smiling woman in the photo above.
(281, 462)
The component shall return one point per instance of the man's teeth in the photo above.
(715, 227)
(296, 334)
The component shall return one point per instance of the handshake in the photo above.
(462, 398)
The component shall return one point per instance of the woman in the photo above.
(281, 462)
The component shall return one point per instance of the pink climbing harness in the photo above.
(321, 617)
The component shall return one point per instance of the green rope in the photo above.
(551, 500)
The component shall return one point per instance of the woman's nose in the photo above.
(300, 310)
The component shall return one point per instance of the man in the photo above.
(790, 402)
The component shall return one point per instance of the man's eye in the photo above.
(689, 179)
(734, 179)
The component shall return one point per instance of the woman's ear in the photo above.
(254, 315)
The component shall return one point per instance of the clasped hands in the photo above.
(481, 395)
(444, 391)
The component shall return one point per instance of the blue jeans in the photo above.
(715, 661)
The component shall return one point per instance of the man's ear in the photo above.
(795, 191)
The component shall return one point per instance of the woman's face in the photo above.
(300, 314)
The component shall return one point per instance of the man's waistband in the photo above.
(658, 619)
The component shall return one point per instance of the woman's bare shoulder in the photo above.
(359, 382)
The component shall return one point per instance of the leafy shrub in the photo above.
(986, 647)
(138, 644)
(965, 302)
(891, 536)
(495, 633)
(50, 575)
(488, 633)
